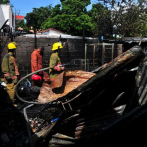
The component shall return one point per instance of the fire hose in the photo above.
(16, 93)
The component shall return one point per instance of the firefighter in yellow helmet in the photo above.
(10, 71)
(55, 63)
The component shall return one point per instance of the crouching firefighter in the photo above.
(55, 63)
(10, 71)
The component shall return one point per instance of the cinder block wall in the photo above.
(25, 48)
(73, 52)
(73, 49)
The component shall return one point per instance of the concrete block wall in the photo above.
(73, 49)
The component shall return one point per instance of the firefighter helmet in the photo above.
(36, 78)
(57, 46)
(12, 45)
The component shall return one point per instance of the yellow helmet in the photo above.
(12, 45)
(57, 46)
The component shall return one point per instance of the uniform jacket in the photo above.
(55, 66)
(10, 68)
(36, 63)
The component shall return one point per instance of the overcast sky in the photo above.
(22, 7)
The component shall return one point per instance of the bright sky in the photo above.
(22, 7)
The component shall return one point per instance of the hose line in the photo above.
(16, 93)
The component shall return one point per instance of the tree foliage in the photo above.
(4, 1)
(22, 24)
(101, 18)
(129, 16)
(71, 17)
(38, 16)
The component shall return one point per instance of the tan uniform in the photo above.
(54, 65)
(10, 71)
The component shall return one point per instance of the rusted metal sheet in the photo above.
(77, 81)
(99, 128)
(58, 81)
(71, 80)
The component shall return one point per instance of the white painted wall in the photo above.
(7, 13)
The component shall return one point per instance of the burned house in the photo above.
(100, 111)
(105, 104)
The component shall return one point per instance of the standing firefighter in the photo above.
(36, 64)
(55, 63)
(10, 70)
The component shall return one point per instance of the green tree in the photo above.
(22, 24)
(4, 1)
(38, 16)
(101, 18)
(70, 17)
(129, 16)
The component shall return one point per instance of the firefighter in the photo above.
(36, 64)
(55, 63)
(10, 71)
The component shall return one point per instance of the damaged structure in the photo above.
(106, 105)
(103, 103)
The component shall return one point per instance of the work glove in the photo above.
(62, 67)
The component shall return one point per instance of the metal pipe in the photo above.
(24, 111)
(35, 39)
(115, 44)
(85, 55)
(94, 57)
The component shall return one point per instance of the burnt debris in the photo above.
(108, 109)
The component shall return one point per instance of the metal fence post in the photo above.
(85, 55)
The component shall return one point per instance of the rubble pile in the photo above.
(100, 108)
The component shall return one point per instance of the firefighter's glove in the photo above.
(62, 67)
